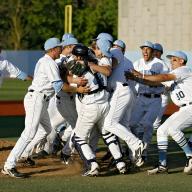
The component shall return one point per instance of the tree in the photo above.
(27, 24)
(12, 23)
(94, 17)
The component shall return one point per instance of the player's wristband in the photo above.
(57, 85)
(23, 76)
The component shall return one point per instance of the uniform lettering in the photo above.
(180, 95)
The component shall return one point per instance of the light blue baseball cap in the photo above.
(52, 43)
(147, 44)
(69, 41)
(106, 36)
(105, 46)
(158, 47)
(179, 54)
(119, 43)
(67, 36)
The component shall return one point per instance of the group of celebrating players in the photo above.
(90, 92)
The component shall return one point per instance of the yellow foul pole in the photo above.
(68, 19)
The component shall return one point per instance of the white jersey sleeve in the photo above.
(105, 61)
(8, 69)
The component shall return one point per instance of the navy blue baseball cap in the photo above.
(158, 47)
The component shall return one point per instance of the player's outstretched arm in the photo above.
(140, 78)
(104, 69)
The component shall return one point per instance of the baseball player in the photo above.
(120, 99)
(157, 52)
(118, 75)
(144, 113)
(93, 110)
(45, 83)
(65, 102)
(7, 69)
(61, 109)
(128, 65)
(57, 108)
(179, 81)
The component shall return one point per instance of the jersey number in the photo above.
(180, 95)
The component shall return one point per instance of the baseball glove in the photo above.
(76, 68)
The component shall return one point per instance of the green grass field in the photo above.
(119, 183)
(134, 181)
(13, 89)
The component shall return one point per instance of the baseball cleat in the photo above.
(157, 170)
(65, 158)
(94, 171)
(121, 166)
(13, 173)
(188, 166)
(27, 162)
(137, 154)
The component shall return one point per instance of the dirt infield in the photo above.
(44, 167)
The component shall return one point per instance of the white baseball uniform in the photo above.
(120, 99)
(61, 108)
(181, 95)
(93, 110)
(148, 102)
(36, 102)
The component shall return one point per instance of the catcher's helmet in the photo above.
(80, 50)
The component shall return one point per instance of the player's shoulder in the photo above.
(182, 70)
(46, 60)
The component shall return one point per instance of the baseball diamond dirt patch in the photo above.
(48, 166)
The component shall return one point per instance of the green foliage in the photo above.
(95, 17)
(27, 24)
